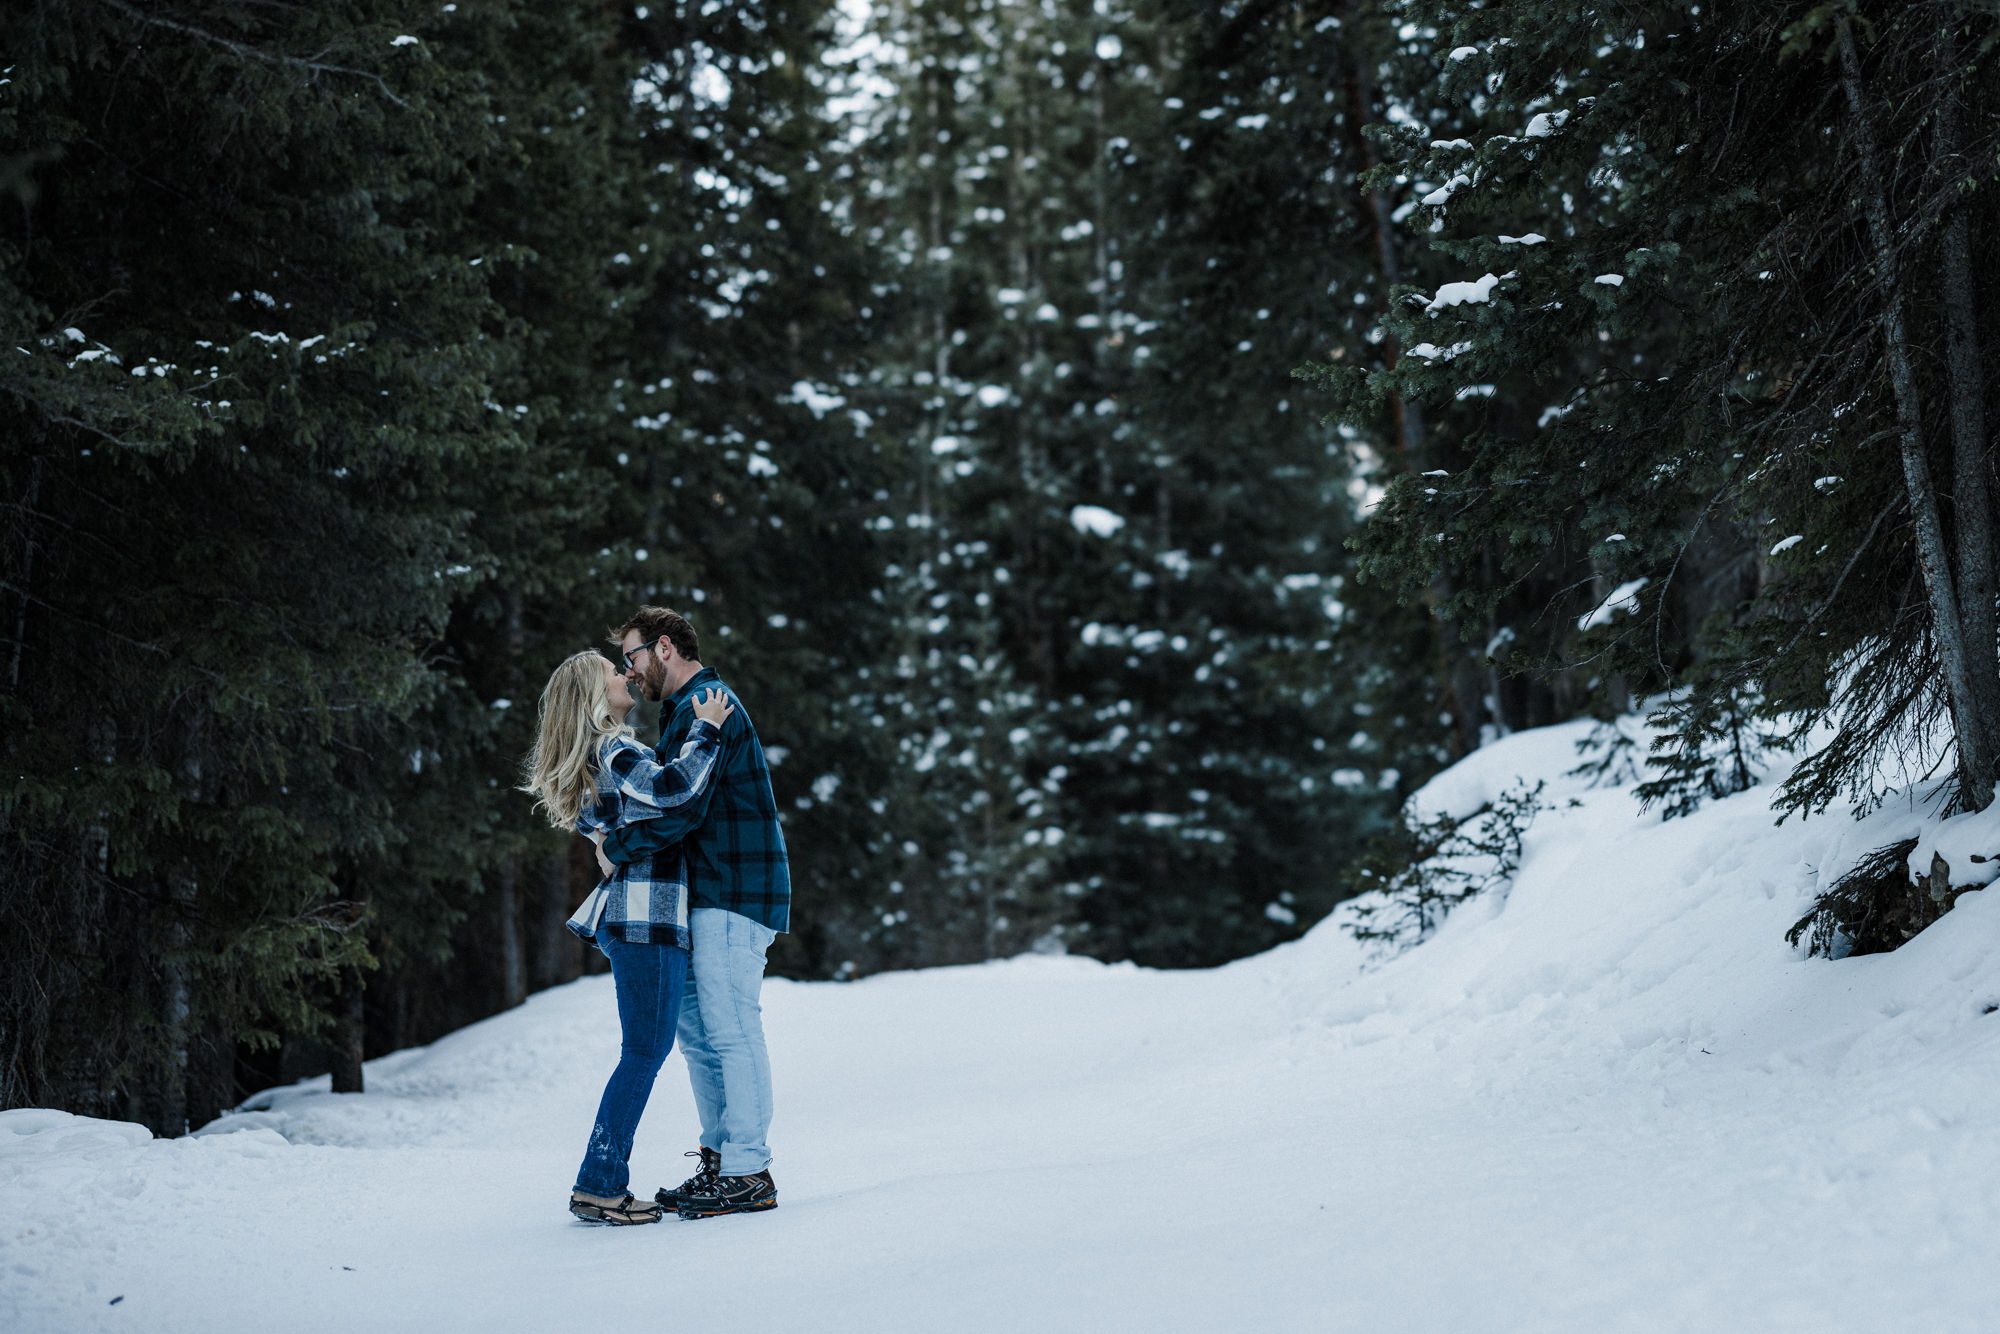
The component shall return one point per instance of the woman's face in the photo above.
(615, 692)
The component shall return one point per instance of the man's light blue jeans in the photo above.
(722, 1037)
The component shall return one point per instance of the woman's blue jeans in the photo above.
(650, 980)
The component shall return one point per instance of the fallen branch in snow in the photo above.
(1878, 905)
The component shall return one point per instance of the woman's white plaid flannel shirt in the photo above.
(646, 902)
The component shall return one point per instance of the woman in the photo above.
(588, 773)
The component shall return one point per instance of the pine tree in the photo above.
(1160, 548)
(746, 461)
(1220, 747)
(1689, 326)
(243, 379)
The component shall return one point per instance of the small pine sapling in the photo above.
(1416, 873)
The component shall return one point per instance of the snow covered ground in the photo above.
(1615, 1100)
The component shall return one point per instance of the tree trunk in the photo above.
(391, 1024)
(1100, 259)
(1603, 581)
(1948, 629)
(1017, 68)
(551, 908)
(184, 899)
(346, 1046)
(989, 875)
(169, 1114)
(513, 952)
(513, 960)
(1459, 672)
(940, 103)
(1972, 505)
(28, 503)
(211, 1074)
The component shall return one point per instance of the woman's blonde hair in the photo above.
(575, 719)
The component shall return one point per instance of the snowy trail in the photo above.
(1614, 1102)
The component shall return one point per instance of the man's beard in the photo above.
(654, 682)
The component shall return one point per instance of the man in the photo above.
(740, 898)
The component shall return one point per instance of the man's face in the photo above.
(646, 672)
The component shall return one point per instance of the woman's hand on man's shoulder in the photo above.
(713, 706)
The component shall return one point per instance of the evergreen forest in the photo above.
(1117, 449)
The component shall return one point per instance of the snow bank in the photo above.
(1610, 1099)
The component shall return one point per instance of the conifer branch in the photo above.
(245, 52)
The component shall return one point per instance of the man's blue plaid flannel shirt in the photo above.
(729, 835)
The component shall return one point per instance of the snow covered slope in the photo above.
(1615, 1100)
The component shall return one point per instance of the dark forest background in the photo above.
(1117, 450)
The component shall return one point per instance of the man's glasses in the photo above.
(632, 653)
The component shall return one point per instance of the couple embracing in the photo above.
(696, 886)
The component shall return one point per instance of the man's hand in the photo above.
(603, 862)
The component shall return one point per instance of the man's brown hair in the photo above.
(652, 622)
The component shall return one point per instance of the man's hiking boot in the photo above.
(710, 1169)
(731, 1195)
(619, 1210)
